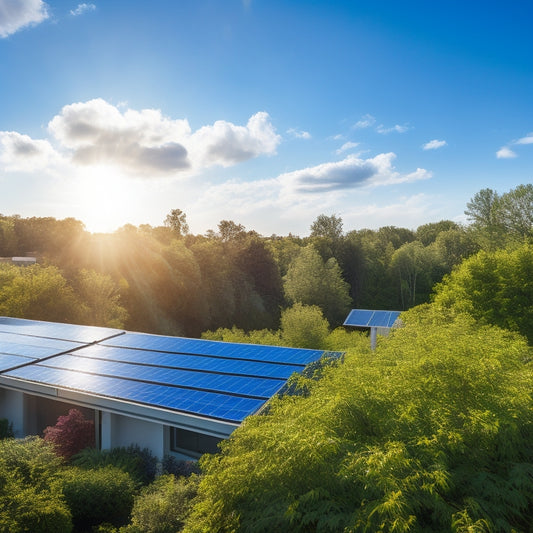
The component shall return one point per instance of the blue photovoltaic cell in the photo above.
(211, 404)
(41, 345)
(249, 386)
(254, 352)
(191, 362)
(368, 318)
(9, 361)
(54, 330)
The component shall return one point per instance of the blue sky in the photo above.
(264, 112)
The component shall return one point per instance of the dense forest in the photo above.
(432, 431)
(166, 280)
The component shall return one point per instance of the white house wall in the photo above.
(12, 408)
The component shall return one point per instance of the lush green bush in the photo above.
(30, 499)
(139, 463)
(163, 506)
(431, 432)
(304, 326)
(97, 496)
(179, 467)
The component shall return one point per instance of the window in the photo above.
(192, 443)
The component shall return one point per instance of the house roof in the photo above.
(134, 372)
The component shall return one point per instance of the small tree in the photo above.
(304, 326)
(71, 434)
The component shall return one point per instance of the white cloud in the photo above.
(298, 134)
(365, 122)
(505, 153)
(17, 14)
(346, 146)
(434, 144)
(349, 173)
(81, 9)
(21, 153)
(397, 129)
(525, 140)
(143, 143)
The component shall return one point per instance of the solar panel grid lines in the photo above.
(251, 352)
(195, 362)
(232, 385)
(371, 318)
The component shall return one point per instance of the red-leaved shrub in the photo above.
(71, 434)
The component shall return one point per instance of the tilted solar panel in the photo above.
(368, 318)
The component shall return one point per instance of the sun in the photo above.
(104, 200)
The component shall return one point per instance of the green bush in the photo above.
(163, 506)
(97, 496)
(139, 463)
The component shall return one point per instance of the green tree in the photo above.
(310, 281)
(494, 287)
(230, 231)
(304, 326)
(418, 437)
(329, 227)
(428, 233)
(37, 292)
(516, 211)
(176, 220)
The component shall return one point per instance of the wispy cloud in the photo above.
(298, 134)
(366, 121)
(394, 129)
(434, 144)
(347, 146)
(82, 8)
(21, 153)
(505, 153)
(15, 15)
(143, 143)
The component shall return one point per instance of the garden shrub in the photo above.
(6, 429)
(163, 506)
(179, 467)
(139, 463)
(97, 496)
(71, 433)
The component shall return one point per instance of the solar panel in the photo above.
(53, 330)
(190, 361)
(371, 319)
(253, 352)
(219, 380)
(211, 404)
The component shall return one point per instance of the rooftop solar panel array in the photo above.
(218, 380)
(366, 318)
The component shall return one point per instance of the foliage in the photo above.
(310, 281)
(71, 434)
(36, 292)
(6, 429)
(139, 463)
(495, 287)
(30, 499)
(95, 496)
(179, 467)
(163, 506)
(304, 326)
(431, 433)
(176, 220)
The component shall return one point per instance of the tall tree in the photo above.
(310, 281)
(176, 220)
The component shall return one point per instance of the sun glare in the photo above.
(104, 200)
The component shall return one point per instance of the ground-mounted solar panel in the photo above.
(211, 404)
(54, 330)
(191, 361)
(371, 319)
(253, 352)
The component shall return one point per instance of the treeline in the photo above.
(166, 280)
